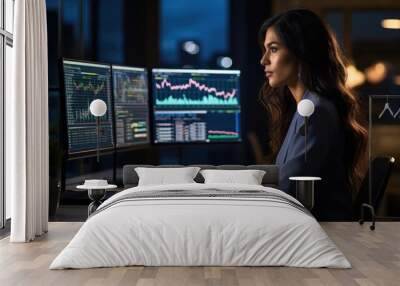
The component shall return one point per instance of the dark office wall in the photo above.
(127, 32)
(247, 17)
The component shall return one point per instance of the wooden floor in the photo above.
(375, 257)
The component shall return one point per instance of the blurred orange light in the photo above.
(354, 77)
(391, 23)
(397, 79)
(376, 73)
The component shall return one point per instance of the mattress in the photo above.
(201, 225)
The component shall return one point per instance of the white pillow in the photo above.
(249, 177)
(163, 176)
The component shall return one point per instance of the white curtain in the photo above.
(27, 143)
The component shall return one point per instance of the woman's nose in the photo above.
(264, 60)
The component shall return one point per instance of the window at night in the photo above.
(195, 35)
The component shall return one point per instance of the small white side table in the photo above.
(305, 190)
(96, 194)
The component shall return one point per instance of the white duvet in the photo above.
(200, 231)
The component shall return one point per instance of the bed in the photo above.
(197, 224)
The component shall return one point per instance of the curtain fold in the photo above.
(28, 152)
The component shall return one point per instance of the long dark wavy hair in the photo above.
(323, 71)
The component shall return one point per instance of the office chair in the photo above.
(381, 168)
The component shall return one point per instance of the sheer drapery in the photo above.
(27, 141)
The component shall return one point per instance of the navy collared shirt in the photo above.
(325, 159)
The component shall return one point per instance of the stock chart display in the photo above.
(196, 105)
(131, 105)
(84, 82)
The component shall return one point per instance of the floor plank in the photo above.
(374, 255)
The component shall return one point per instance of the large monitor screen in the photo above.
(84, 82)
(131, 106)
(196, 105)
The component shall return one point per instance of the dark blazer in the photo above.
(325, 159)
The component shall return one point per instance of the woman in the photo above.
(302, 60)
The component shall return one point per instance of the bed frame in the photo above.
(270, 179)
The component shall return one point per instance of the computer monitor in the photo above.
(83, 82)
(131, 106)
(192, 105)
